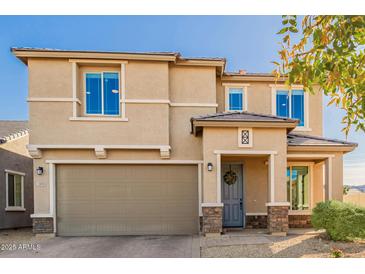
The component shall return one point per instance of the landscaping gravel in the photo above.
(295, 246)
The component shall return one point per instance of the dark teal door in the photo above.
(232, 195)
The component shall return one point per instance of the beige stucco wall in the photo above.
(259, 101)
(49, 78)
(215, 138)
(161, 124)
(318, 183)
(192, 84)
(53, 78)
(150, 126)
(337, 177)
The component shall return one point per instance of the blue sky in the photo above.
(248, 42)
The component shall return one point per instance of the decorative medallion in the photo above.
(245, 137)
(230, 177)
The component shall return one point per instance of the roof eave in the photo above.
(24, 54)
(198, 124)
(334, 148)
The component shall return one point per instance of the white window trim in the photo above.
(250, 137)
(275, 88)
(102, 93)
(244, 88)
(14, 208)
(311, 182)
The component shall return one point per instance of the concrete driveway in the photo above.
(108, 247)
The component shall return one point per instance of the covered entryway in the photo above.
(140, 199)
(232, 195)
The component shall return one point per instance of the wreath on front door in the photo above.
(230, 177)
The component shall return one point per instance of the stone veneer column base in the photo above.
(43, 225)
(212, 220)
(277, 218)
(300, 221)
(256, 221)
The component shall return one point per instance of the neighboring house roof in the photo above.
(243, 116)
(295, 139)
(263, 74)
(12, 129)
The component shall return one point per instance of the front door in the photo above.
(232, 195)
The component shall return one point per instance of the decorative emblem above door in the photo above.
(245, 137)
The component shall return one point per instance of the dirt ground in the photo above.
(11, 237)
(295, 246)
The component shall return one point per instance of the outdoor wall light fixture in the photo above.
(210, 166)
(39, 170)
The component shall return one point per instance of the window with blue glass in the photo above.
(235, 99)
(290, 104)
(102, 93)
(282, 103)
(297, 106)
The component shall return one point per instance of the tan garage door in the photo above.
(127, 199)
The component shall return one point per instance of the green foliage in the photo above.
(346, 190)
(330, 53)
(336, 253)
(342, 221)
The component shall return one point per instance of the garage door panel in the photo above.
(127, 199)
(75, 191)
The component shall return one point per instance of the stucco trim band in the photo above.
(53, 99)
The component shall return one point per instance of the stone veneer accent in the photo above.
(256, 221)
(300, 221)
(212, 219)
(295, 221)
(42, 225)
(277, 219)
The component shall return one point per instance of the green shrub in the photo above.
(342, 221)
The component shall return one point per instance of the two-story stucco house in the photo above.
(155, 143)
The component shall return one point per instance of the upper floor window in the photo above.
(236, 99)
(290, 104)
(14, 190)
(236, 96)
(102, 93)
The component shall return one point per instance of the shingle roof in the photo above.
(295, 139)
(12, 129)
(243, 116)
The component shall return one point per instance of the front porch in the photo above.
(257, 174)
(246, 192)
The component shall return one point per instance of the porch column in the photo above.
(277, 208)
(328, 179)
(212, 207)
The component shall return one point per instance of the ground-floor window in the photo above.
(298, 187)
(14, 189)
